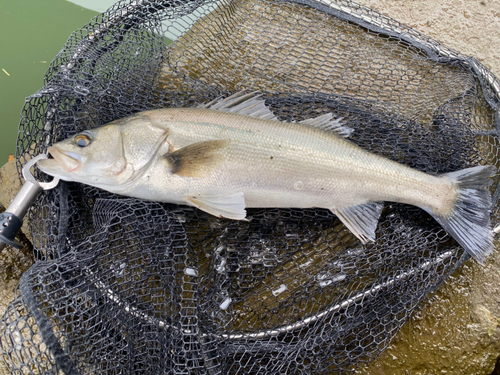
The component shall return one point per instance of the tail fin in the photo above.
(469, 222)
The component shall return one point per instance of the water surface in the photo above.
(32, 33)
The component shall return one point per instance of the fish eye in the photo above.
(83, 139)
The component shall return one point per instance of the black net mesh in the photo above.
(126, 286)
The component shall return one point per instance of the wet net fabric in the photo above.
(124, 286)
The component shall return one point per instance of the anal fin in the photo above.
(361, 220)
(229, 206)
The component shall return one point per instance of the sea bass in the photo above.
(234, 153)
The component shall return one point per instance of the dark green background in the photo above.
(32, 32)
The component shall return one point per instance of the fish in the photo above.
(234, 153)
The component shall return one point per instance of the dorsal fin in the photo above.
(328, 123)
(249, 104)
(252, 104)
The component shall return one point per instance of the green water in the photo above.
(32, 32)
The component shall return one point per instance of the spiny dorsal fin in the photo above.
(328, 123)
(249, 104)
(228, 206)
(361, 220)
(252, 104)
(196, 160)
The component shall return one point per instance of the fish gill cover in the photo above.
(127, 286)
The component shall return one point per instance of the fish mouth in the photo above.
(62, 160)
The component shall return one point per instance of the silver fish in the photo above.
(234, 153)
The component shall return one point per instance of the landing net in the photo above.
(124, 286)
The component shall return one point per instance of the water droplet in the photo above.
(224, 305)
(299, 185)
(280, 290)
(190, 272)
(222, 266)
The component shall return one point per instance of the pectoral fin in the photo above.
(230, 206)
(361, 220)
(196, 160)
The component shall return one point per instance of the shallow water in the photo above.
(32, 33)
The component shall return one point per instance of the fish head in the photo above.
(110, 156)
(94, 157)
